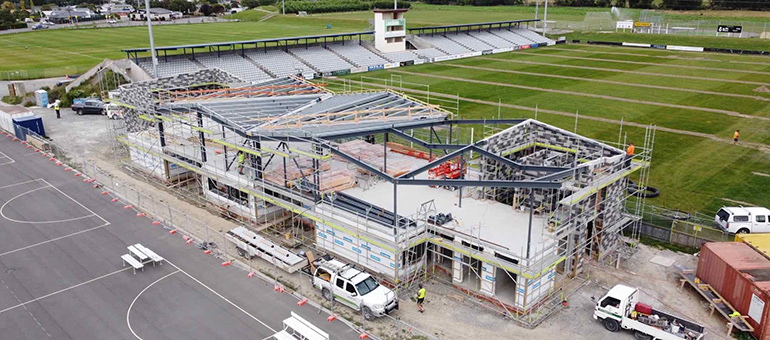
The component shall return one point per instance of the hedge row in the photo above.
(328, 6)
(14, 25)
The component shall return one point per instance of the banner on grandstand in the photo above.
(501, 50)
(534, 45)
(340, 72)
(729, 29)
(407, 63)
(524, 47)
(486, 52)
(419, 61)
(391, 65)
(359, 70)
(662, 47)
(626, 24)
(376, 67)
(636, 45)
(684, 48)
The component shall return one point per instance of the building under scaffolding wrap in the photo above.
(388, 182)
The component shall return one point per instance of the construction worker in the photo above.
(735, 136)
(420, 298)
(241, 160)
(56, 107)
(629, 153)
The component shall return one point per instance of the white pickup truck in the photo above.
(354, 288)
(620, 309)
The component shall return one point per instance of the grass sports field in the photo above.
(697, 100)
(52, 53)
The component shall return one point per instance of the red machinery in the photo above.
(452, 169)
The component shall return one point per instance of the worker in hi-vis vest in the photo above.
(241, 159)
(56, 108)
(420, 298)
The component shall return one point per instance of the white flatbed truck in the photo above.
(620, 309)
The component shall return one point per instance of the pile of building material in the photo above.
(293, 172)
(337, 180)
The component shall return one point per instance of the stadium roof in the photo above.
(249, 42)
(477, 24)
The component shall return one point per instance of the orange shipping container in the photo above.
(742, 277)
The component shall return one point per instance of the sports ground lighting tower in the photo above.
(152, 40)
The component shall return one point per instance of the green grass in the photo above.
(693, 173)
(664, 39)
(250, 15)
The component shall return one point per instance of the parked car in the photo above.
(39, 27)
(113, 111)
(112, 21)
(88, 106)
(743, 220)
(353, 288)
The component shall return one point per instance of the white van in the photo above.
(743, 220)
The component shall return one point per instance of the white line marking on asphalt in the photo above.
(53, 240)
(222, 297)
(20, 183)
(76, 201)
(64, 290)
(2, 209)
(25, 308)
(2, 155)
(128, 313)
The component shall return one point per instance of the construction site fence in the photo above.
(687, 229)
(211, 241)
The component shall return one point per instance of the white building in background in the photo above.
(390, 30)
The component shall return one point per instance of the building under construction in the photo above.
(389, 182)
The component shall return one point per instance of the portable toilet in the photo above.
(41, 98)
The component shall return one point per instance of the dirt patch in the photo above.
(762, 89)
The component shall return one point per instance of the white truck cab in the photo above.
(620, 309)
(743, 220)
(354, 288)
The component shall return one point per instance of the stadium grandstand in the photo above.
(335, 54)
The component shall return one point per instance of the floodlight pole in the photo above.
(152, 40)
(395, 4)
(537, 9)
(283, 7)
(545, 17)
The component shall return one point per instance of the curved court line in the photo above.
(2, 208)
(128, 313)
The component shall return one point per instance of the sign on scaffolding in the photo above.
(624, 25)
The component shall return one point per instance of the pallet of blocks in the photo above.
(337, 180)
(276, 175)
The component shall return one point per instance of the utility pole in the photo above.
(395, 4)
(152, 40)
(283, 7)
(537, 9)
(545, 17)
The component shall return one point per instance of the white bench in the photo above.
(303, 329)
(135, 252)
(154, 257)
(133, 262)
(283, 335)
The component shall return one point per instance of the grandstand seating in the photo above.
(445, 45)
(235, 65)
(171, 67)
(492, 39)
(358, 55)
(532, 36)
(279, 63)
(321, 59)
(512, 37)
(427, 53)
(469, 42)
(401, 56)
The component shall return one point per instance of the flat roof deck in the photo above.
(487, 220)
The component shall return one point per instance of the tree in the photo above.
(22, 5)
(182, 6)
(6, 17)
(251, 3)
(218, 9)
(46, 7)
(32, 5)
(7, 6)
(205, 9)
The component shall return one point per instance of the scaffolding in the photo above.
(287, 174)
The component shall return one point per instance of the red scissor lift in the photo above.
(451, 169)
